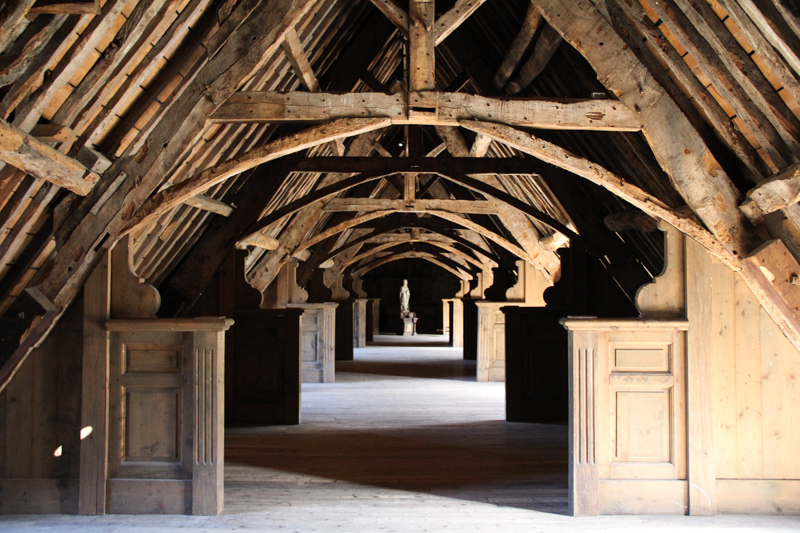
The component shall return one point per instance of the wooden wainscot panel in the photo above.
(633, 496)
(758, 496)
(38, 496)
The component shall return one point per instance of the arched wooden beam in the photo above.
(411, 255)
(597, 174)
(466, 223)
(481, 187)
(468, 182)
(166, 199)
(490, 257)
(449, 261)
(385, 246)
(308, 199)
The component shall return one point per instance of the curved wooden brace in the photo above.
(490, 257)
(308, 199)
(466, 223)
(467, 181)
(455, 251)
(170, 197)
(411, 255)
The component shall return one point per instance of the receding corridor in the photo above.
(403, 426)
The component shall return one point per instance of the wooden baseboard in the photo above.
(758, 496)
(632, 496)
(38, 496)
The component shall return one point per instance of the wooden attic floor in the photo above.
(406, 440)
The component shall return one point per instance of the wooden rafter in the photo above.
(396, 14)
(299, 60)
(455, 16)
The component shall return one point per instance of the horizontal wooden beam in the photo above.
(31, 155)
(429, 108)
(211, 205)
(480, 207)
(427, 165)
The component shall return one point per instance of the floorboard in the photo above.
(406, 440)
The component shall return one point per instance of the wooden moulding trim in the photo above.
(592, 323)
(164, 324)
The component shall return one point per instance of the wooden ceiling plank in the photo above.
(164, 47)
(394, 13)
(657, 46)
(544, 49)
(520, 45)
(76, 7)
(299, 60)
(55, 48)
(763, 48)
(75, 58)
(26, 47)
(38, 159)
(11, 17)
(180, 192)
(105, 73)
(763, 14)
(273, 106)
(455, 16)
(723, 80)
(744, 71)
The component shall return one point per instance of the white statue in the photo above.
(405, 295)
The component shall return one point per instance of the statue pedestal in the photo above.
(409, 323)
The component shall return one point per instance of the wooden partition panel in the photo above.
(470, 328)
(627, 416)
(344, 330)
(536, 365)
(317, 342)
(165, 451)
(263, 367)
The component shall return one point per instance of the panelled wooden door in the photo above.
(150, 439)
